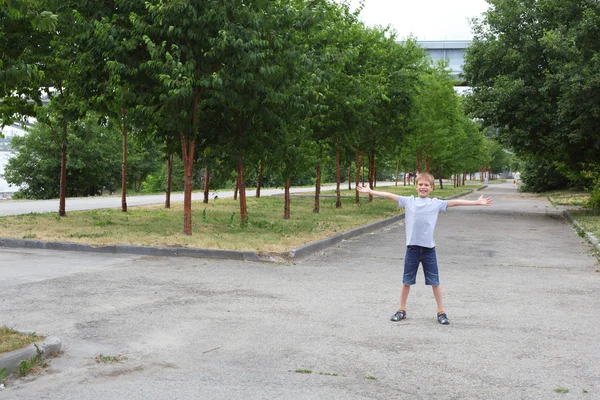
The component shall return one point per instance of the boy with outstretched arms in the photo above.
(420, 219)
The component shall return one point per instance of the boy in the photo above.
(420, 218)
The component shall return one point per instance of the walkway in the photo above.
(521, 289)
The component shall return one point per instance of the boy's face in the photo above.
(424, 188)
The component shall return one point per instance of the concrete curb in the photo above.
(131, 249)
(320, 245)
(11, 360)
(587, 235)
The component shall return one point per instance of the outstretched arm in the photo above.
(383, 195)
(482, 201)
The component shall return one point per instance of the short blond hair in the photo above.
(426, 176)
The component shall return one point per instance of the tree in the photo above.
(534, 72)
(92, 160)
(185, 48)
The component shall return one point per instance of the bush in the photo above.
(540, 176)
(594, 201)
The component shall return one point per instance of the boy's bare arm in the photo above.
(383, 195)
(482, 201)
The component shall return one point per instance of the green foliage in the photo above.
(539, 175)
(27, 367)
(534, 71)
(594, 201)
(93, 165)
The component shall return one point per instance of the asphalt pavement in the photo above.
(520, 289)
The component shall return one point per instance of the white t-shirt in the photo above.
(420, 216)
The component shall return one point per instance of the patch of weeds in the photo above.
(327, 374)
(204, 217)
(102, 359)
(105, 222)
(3, 374)
(370, 378)
(87, 235)
(585, 391)
(232, 225)
(33, 366)
(303, 371)
(561, 390)
(30, 236)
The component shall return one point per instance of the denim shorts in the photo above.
(425, 256)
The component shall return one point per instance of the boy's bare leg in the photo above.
(403, 296)
(437, 293)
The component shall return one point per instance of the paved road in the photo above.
(521, 290)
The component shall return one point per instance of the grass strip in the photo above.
(11, 340)
(215, 225)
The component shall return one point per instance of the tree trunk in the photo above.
(63, 177)
(338, 176)
(374, 168)
(124, 166)
(370, 175)
(362, 164)
(242, 190)
(187, 150)
(286, 207)
(349, 178)
(419, 160)
(206, 185)
(259, 179)
(357, 177)
(440, 179)
(169, 180)
(187, 184)
(397, 172)
(237, 185)
(317, 207)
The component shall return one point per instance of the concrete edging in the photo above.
(314, 247)
(46, 348)
(587, 235)
(133, 249)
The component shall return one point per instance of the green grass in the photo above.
(33, 366)
(215, 225)
(102, 359)
(568, 198)
(589, 220)
(11, 340)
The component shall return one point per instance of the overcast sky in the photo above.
(424, 19)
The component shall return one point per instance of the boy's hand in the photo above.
(484, 201)
(363, 189)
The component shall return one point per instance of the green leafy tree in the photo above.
(92, 161)
(534, 72)
(185, 55)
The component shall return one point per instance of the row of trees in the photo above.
(535, 71)
(282, 85)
